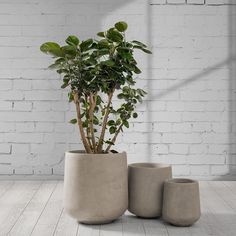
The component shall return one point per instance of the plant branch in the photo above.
(79, 121)
(92, 101)
(87, 129)
(114, 138)
(104, 123)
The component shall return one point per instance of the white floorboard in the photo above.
(35, 208)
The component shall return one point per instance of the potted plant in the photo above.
(97, 71)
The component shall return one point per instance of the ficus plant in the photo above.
(96, 71)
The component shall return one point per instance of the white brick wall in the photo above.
(188, 118)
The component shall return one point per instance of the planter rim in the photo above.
(181, 181)
(149, 165)
(101, 155)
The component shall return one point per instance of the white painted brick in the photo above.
(181, 138)
(195, 1)
(204, 116)
(64, 127)
(201, 127)
(6, 169)
(142, 127)
(44, 127)
(221, 127)
(220, 169)
(160, 149)
(22, 84)
(23, 170)
(199, 170)
(176, 1)
(11, 95)
(23, 137)
(41, 106)
(157, 1)
(5, 148)
(198, 149)
(42, 95)
(205, 159)
(162, 127)
(5, 84)
(60, 106)
(156, 106)
(32, 116)
(7, 127)
(5, 106)
(182, 127)
(20, 148)
(25, 127)
(22, 106)
(178, 148)
(41, 148)
(142, 137)
(218, 149)
(180, 170)
(46, 84)
(220, 2)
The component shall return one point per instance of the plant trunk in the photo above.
(79, 121)
(104, 124)
(92, 99)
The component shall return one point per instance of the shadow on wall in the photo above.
(230, 64)
(232, 91)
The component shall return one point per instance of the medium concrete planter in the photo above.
(95, 186)
(146, 182)
(181, 204)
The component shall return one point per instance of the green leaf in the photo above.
(64, 85)
(85, 44)
(111, 122)
(54, 66)
(52, 48)
(71, 97)
(108, 63)
(135, 115)
(101, 34)
(109, 142)
(137, 70)
(114, 35)
(112, 129)
(72, 40)
(103, 43)
(139, 43)
(120, 96)
(103, 52)
(126, 123)
(69, 50)
(121, 26)
(146, 50)
(73, 121)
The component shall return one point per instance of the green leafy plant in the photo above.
(97, 70)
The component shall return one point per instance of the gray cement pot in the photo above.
(146, 182)
(95, 186)
(181, 204)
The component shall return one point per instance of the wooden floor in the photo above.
(35, 208)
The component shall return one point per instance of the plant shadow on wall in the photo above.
(232, 91)
(230, 65)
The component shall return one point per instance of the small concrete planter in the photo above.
(146, 182)
(181, 203)
(95, 186)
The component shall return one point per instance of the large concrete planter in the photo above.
(181, 204)
(95, 186)
(146, 182)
